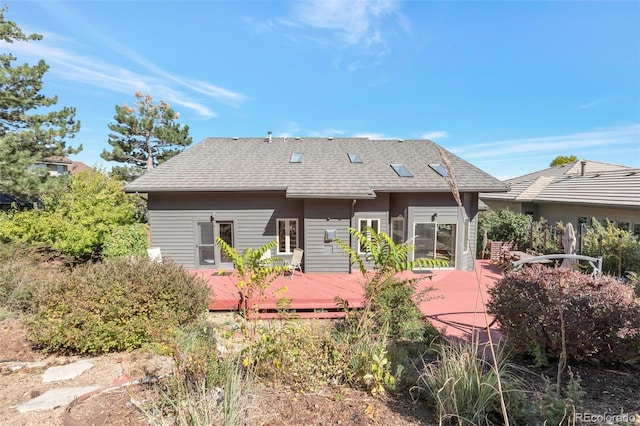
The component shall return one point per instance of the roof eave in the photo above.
(146, 190)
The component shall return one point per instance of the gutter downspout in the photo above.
(351, 219)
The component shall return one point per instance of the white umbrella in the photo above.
(569, 245)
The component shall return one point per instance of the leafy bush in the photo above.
(298, 355)
(118, 304)
(23, 269)
(615, 243)
(126, 240)
(601, 315)
(503, 225)
(396, 305)
(76, 219)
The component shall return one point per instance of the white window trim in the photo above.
(369, 222)
(287, 243)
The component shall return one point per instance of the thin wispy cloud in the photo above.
(371, 136)
(576, 142)
(435, 135)
(95, 72)
(591, 104)
(361, 25)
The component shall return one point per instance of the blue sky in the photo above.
(505, 85)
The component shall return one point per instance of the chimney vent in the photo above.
(583, 167)
(269, 136)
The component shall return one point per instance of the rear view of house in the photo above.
(306, 192)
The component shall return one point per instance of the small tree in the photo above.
(76, 219)
(253, 273)
(29, 129)
(144, 136)
(369, 331)
(563, 159)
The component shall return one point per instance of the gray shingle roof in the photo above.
(253, 164)
(602, 184)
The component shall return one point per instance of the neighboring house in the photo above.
(305, 192)
(7, 202)
(576, 193)
(57, 166)
(62, 165)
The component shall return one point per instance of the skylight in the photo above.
(401, 170)
(355, 158)
(439, 169)
(296, 157)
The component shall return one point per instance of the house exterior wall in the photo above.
(173, 219)
(560, 212)
(321, 255)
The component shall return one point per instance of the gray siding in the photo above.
(173, 218)
(320, 215)
(173, 221)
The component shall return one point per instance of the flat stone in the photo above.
(65, 372)
(55, 398)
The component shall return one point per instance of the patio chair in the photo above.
(155, 255)
(296, 262)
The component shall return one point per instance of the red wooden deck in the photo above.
(457, 307)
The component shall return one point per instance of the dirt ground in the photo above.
(608, 390)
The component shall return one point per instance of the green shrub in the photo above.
(302, 356)
(23, 269)
(396, 305)
(601, 315)
(617, 245)
(76, 219)
(126, 240)
(118, 304)
(504, 225)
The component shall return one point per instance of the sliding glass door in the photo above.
(435, 241)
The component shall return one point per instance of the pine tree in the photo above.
(144, 136)
(29, 129)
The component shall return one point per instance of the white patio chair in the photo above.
(155, 255)
(296, 262)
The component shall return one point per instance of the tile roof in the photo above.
(254, 164)
(600, 184)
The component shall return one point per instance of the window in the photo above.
(287, 235)
(435, 241)
(623, 225)
(363, 224)
(636, 230)
(61, 169)
(397, 230)
(401, 170)
(355, 158)
(296, 157)
(439, 169)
